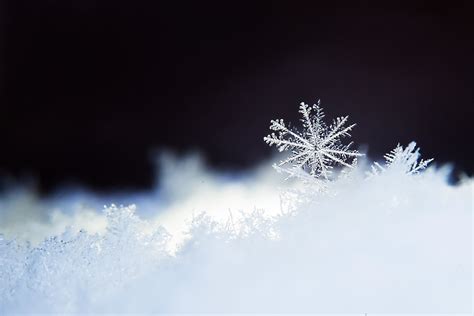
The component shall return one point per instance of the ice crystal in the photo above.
(315, 150)
(405, 160)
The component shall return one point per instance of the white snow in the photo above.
(392, 243)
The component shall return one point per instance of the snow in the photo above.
(204, 241)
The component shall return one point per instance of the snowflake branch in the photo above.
(345, 153)
(306, 110)
(284, 128)
(344, 132)
(342, 162)
(288, 160)
(276, 141)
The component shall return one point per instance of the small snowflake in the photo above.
(405, 160)
(317, 149)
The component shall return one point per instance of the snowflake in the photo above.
(317, 149)
(405, 160)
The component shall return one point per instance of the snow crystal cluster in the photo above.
(392, 237)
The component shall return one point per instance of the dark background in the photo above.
(89, 88)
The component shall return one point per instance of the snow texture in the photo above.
(398, 241)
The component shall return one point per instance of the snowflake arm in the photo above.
(280, 141)
(306, 111)
(342, 162)
(345, 152)
(335, 131)
(422, 165)
(323, 166)
(293, 158)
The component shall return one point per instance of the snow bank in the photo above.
(388, 243)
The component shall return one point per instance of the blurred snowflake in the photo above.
(405, 160)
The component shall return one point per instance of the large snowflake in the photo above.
(318, 148)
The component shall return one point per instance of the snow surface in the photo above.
(389, 243)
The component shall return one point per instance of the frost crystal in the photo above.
(405, 160)
(317, 149)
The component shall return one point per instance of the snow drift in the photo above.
(204, 241)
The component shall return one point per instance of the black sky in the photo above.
(89, 88)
